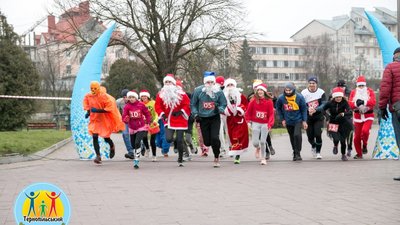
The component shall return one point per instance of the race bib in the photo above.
(287, 107)
(209, 105)
(261, 115)
(135, 114)
(333, 127)
(313, 104)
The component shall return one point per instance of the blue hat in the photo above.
(314, 79)
(209, 76)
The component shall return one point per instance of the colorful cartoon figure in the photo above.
(32, 197)
(43, 209)
(53, 202)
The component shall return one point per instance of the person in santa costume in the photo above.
(173, 105)
(236, 123)
(223, 131)
(104, 118)
(208, 101)
(138, 118)
(149, 103)
(362, 102)
(339, 126)
(260, 116)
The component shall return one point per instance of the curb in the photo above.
(35, 156)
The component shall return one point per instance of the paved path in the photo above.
(328, 191)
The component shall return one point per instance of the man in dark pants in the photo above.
(291, 108)
(390, 95)
(207, 102)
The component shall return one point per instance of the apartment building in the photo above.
(356, 46)
(279, 62)
(56, 47)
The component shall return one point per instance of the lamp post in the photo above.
(398, 20)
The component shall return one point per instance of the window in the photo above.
(269, 51)
(286, 64)
(285, 51)
(259, 50)
(68, 54)
(270, 63)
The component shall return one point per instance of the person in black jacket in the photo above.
(338, 127)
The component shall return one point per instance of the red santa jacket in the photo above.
(389, 91)
(179, 122)
(359, 117)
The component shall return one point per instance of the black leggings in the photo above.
(136, 138)
(314, 132)
(169, 135)
(210, 130)
(152, 143)
(342, 145)
(96, 143)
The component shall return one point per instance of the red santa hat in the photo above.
(262, 87)
(132, 93)
(361, 80)
(179, 83)
(337, 92)
(220, 80)
(144, 93)
(169, 77)
(230, 81)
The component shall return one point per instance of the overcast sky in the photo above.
(277, 19)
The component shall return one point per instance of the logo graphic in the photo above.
(42, 203)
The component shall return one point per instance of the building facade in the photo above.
(356, 46)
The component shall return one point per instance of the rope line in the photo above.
(35, 97)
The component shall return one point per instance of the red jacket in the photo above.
(174, 122)
(262, 112)
(361, 117)
(389, 91)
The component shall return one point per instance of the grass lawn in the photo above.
(278, 131)
(27, 142)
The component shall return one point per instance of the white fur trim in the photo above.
(337, 94)
(261, 87)
(230, 81)
(169, 78)
(185, 115)
(131, 93)
(209, 78)
(361, 83)
(241, 111)
(144, 94)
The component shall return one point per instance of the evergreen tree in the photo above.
(18, 76)
(246, 67)
(130, 75)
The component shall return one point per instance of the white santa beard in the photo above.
(171, 95)
(362, 94)
(210, 90)
(232, 94)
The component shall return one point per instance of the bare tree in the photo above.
(319, 60)
(162, 32)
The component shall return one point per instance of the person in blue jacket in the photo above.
(292, 110)
(207, 102)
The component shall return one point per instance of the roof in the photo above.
(336, 23)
